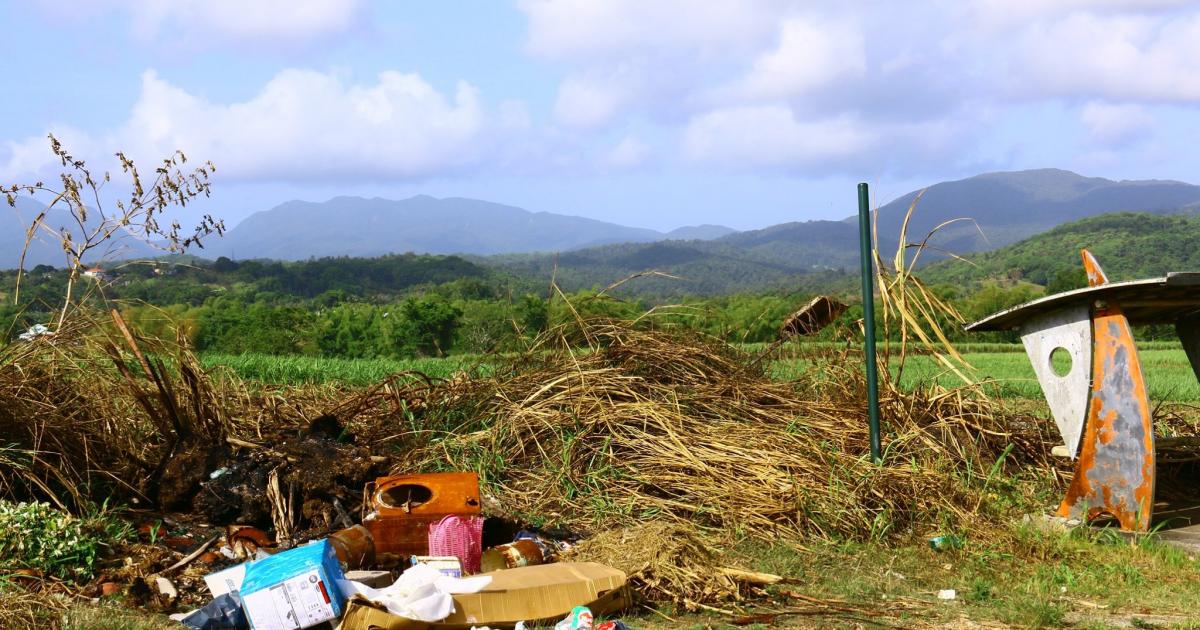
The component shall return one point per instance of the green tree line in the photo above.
(412, 306)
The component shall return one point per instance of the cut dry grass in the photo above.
(20, 608)
(653, 426)
(665, 562)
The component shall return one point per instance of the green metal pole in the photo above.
(868, 276)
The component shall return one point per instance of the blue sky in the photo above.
(653, 113)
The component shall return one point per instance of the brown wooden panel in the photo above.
(404, 506)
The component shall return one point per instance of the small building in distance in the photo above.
(97, 274)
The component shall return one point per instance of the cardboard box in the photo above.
(544, 592)
(226, 580)
(374, 579)
(294, 589)
(364, 615)
(446, 565)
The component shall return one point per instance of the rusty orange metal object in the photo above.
(354, 546)
(1114, 474)
(1115, 469)
(403, 507)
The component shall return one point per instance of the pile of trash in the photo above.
(417, 560)
(609, 462)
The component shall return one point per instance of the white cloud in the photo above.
(790, 84)
(633, 57)
(28, 160)
(628, 153)
(1115, 57)
(1116, 125)
(770, 135)
(596, 28)
(774, 137)
(918, 83)
(589, 102)
(206, 22)
(1002, 14)
(303, 125)
(810, 55)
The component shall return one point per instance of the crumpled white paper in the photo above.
(422, 593)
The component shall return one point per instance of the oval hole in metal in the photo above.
(1060, 362)
(405, 495)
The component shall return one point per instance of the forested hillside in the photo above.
(999, 208)
(1128, 245)
(697, 267)
(393, 306)
(422, 305)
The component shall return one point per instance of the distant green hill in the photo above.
(1010, 206)
(698, 267)
(1129, 245)
(358, 227)
(1003, 207)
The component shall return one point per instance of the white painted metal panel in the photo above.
(1070, 329)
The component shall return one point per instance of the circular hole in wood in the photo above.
(408, 495)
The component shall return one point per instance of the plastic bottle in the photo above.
(579, 619)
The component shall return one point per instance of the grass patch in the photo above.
(1022, 576)
(1168, 373)
(114, 616)
(302, 370)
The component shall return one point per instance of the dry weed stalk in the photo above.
(911, 309)
(99, 227)
(92, 410)
(664, 561)
(21, 608)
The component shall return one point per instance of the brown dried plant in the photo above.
(100, 226)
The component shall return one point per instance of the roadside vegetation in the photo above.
(267, 308)
(1005, 367)
(685, 443)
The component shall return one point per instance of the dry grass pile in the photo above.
(641, 438)
(90, 412)
(665, 562)
(96, 413)
(650, 425)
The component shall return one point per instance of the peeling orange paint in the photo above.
(1091, 266)
(1114, 473)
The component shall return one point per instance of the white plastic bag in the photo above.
(422, 593)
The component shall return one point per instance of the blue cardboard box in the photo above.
(294, 589)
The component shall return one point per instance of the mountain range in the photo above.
(1003, 207)
(46, 248)
(354, 226)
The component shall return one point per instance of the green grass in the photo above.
(301, 370)
(114, 616)
(1025, 577)
(1168, 373)
(805, 347)
(1018, 577)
